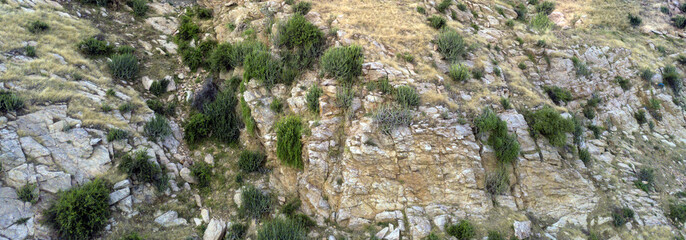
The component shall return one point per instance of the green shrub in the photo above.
(679, 21)
(132, 236)
(545, 7)
(282, 229)
(681, 59)
(451, 45)
(157, 128)
(477, 73)
(127, 107)
(124, 66)
(94, 47)
(677, 212)
(246, 116)
(262, 66)
(193, 58)
(645, 178)
(298, 32)
(344, 63)
(585, 156)
(421, 10)
(38, 26)
(221, 58)
(102, 3)
(290, 207)
(497, 182)
(654, 108)
(344, 97)
(621, 216)
(581, 68)
(236, 231)
(139, 167)
(623, 83)
(202, 172)
(389, 117)
(125, 49)
(221, 115)
(505, 102)
(540, 22)
(203, 13)
(634, 20)
(671, 78)
(640, 116)
(187, 29)
(557, 94)
(115, 134)
(682, 7)
(244, 48)
(589, 112)
(251, 161)
(406, 97)
(461, 6)
(140, 7)
(445, 4)
(196, 128)
(664, 9)
(254, 204)
(302, 8)
(407, 57)
(312, 98)
(159, 87)
(436, 22)
(495, 235)
(382, 85)
(459, 73)
(510, 23)
(521, 11)
(505, 145)
(288, 143)
(158, 107)
(80, 212)
(10, 101)
(276, 106)
(463, 230)
(28, 193)
(549, 123)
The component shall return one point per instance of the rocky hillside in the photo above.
(342, 119)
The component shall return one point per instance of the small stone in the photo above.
(119, 195)
(205, 215)
(522, 229)
(215, 230)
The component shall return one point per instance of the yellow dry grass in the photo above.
(45, 79)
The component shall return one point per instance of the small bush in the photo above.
(290, 207)
(461, 6)
(640, 116)
(505, 145)
(262, 66)
(664, 9)
(497, 182)
(158, 107)
(459, 73)
(557, 94)
(193, 58)
(451, 45)
(312, 98)
(80, 212)
(196, 128)
(521, 11)
(159, 87)
(421, 10)
(510, 23)
(647, 74)
(140, 7)
(463, 230)
(298, 32)
(282, 229)
(623, 83)
(140, 168)
(115, 134)
(124, 66)
(477, 73)
(157, 128)
(38, 26)
(302, 8)
(682, 7)
(634, 20)
(549, 123)
(445, 4)
(94, 47)
(541, 22)
(545, 7)
(344, 97)
(679, 21)
(250, 161)
(246, 116)
(10, 101)
(581, 68)
(406, 97)
(505, 102)
(187, 29)
(221, 114)
(585, 156)
(681, 59)
(132, 236)
(436, 22)
(645, 178)
(621, 216)
(221, 58)
(236, 231)
(276, 106)
(289, 145)
(202, 172)
(28, 193)
(677, 212)
(589, 112)
(127, 107)
(344, 63)
(672, 79)
(390, 117)
(495, 235)
(255, 204)
(203, 13)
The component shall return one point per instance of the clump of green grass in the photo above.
(557, 94)
(38, 26)
(255, 204)
(647, 74)
(671, 78)
(221, 114)
(288, 142)
(343, 63)
(115, 134)
(463, 230)
(497, 182)
(158, 107)
(621, 216)
(549, 123)
(521, 11)
(157, 128)
(645, 177)
(585, 156)
(436, 22)
(640, 116)
(546, 7)
(444, 5)
(677, 212)
(421, 10)
(298, 32)
(9, 101)
(196, 128)
(188, 30)
(634, 20)
(251, 161)
(623, 83)
(80, 212)
(312, 98)
(302, 8)
(381, 84)
(505, 145)
(28, 193)
(505, 103)
(281, 228)
(139, 167)
(95, 47)
(451, 45)
(581, 68)
(140, 7)
(159, 87)
(202, 172)
(344, 97)
(389, 117)
(124, 66)
(276, 105)
(236, 231)
(406, 97)
(541, 23)
(459, 73)
(679, 21)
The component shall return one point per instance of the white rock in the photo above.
(215, 230)
(205, 215)
(522, 229)
(170, 219)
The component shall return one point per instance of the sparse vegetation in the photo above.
(221, 114)
(95, 47)
(276, 105)
(546, 7)
(671, 78)
(444, 5)
(505, 145)
(302, 8)
(140, 7)
(451, 45)
(202, 172)
(585, 156)
(140, 168)
(634, 20)
(10, 102)
(312, 98)
(459, 73)
(255, 204)
(497, 182)
(80, 212)
(644, 179)
(549, 123)
(124, 66)
(541, 23)
(640, 116)
(463, 230)
(196, 128)
(38, 26)
(28, 193)
(406, 97)
(621, 216)
(679, 21)
(288, 143)
(557, 94)
(581, 68)
(251, 161)
(115, 134)
(344, 97)
(677, 212)
(647, 74)
(283, 229)
(436, 22)
(236, 231)
(157, 128)
(623, 83)
(343, 63)
(159, 87)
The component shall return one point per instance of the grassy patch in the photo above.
(251, 161)
(459, 73)
(80, 212)
(28, 193)
(196, 128)
(281, 228)
(621, 216)
(288, 143)
(157, 128)
(10, 101)
(202, 172)
(95, 47)
(451, 45)
(557, 94)
(343, 63)
(115, 134)
(436, 22)
(38, 26)
(312, 98)
(389, 117)
(549, 123)
(254, 204)
(124, 66)
(463, 230)
(505, 145)
(406, 96)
